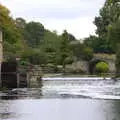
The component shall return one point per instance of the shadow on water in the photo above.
(21, 93)
(63, 109)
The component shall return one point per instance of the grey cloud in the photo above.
(60, 14)
(55, 9)
(70, 11)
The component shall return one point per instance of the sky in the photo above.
(76, 16)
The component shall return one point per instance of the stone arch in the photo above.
(93, 63)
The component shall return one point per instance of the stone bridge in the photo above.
(109, 59)
(89, 67)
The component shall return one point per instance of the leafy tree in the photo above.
(64, 47)
(114, 37)
(37, 58)
(51, 46)
(12, 42)
(77, 49)
(98, 44)
(109, 14)
(34, 33)
(81, 51)
(71, 37)
(87, 53)
(108, 23)
(20, 23)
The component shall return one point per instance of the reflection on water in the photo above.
(68, 100)
(60, 109)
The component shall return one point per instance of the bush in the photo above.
(102, 67)
(37, 58)
(87, 53)
(69, 60)
(10, 57)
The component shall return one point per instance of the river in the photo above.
(63, 100)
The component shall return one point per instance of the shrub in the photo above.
(69, 60)
(102, 67)
(37, 58)
(87, 53)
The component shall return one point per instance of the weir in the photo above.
(76, 78)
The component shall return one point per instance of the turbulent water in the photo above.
(63, 99)
(92, 88)
(82, 88)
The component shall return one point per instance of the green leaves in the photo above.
(102, 67)
(108, 27)
(114, 35)
(34, 33)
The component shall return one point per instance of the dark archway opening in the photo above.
(92, 65)
(8, 74)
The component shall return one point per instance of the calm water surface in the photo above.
(63, 100)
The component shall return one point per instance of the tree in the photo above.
(37, 57)
(108, 27)
(77, 49)
(87, 53)
(114, 37)
(64, 47)
(109, 14)
(11, 37)
(81, 51)
(98, 44)
(20, 23)
(34, 33)
(51, 46)
(71, 37)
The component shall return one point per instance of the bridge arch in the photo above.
(93, 63)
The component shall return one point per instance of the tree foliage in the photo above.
(37, 45)
(81, 51)
(109, 14)
(12, 43)
(64, 47)
(34, 33)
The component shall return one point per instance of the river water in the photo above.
(67, 99)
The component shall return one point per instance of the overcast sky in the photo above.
(76, 16)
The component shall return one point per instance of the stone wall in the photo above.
(34, 76)
(78, 67)
(84, 66)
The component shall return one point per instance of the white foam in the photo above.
(75, 78)
(92, 95)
